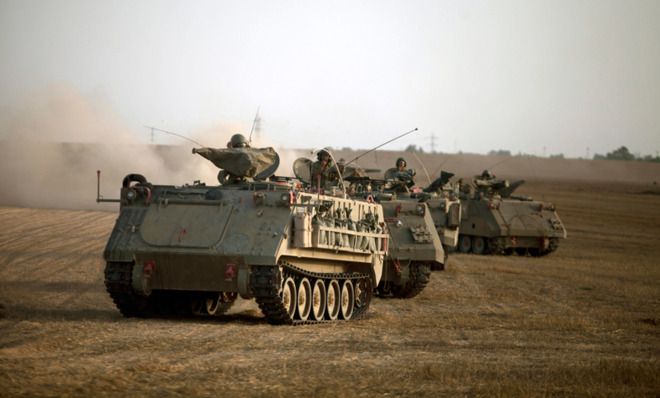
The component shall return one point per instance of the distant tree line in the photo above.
(500, 152)
(506, 152)
(414, 148)
(623, 153)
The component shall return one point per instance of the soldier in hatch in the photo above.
(324, 171)
(341, 166)
(399, 173)
(237, 141)
(487, 175)
(239, 162)
(488, 184)
(401, 165)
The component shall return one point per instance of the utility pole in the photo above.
(432, 139)
(256, 126)
(587, 153)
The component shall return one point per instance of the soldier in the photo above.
(341, 166)
(399, 173)
(488, 184)
(238, 141)
(487, 175)
(324, 172)
(401, 165)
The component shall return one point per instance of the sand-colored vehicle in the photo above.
(304, 257)
(414, 245)
(494, 221)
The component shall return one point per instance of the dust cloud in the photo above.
(52, 144)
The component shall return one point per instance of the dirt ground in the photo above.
(584, 321)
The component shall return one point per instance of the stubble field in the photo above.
(584, 321)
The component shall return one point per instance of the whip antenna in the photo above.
(383, 144)
(172, 133)
(428, 177)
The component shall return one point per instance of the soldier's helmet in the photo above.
(401, 160)
(238, 141)
(487, 174)
(322, 153)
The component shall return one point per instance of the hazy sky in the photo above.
(479, 75)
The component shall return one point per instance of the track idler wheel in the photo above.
(289, 296)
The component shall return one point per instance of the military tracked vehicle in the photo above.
(494, 221)
(441, 199)
(414, 245)
(304, 257)
(445, 207)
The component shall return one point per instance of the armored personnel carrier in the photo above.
(414, 245)
(304, 257)
(445, 207)
(494, 221)
(441, 199)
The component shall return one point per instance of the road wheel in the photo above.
(478, 245)
(304, 299)
(464, 244)
(332, 300)
(318, 300)
(347, 300)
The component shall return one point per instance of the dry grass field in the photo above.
(584, 321)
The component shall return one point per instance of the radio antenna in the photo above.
(172, 133)
(383, 144)
(428, 177)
